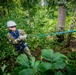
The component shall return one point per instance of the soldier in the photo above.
(16, 37)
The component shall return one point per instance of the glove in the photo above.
(17, 40)
(23, 37)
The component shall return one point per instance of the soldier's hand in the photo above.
(17, 40)
(23, 37)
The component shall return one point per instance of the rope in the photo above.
(57, 33)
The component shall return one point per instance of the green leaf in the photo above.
(69, 70)
(58, 56)
(3, 67)
(32, 61)
(44, 66)
(59, 65)
(27, 72)
(58, 73)
(23, 60)
(37, 63)
(47, 54)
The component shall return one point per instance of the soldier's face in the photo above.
(12, 28)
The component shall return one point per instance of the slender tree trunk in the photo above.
(61, 21)
(3, 11)
(28, 12)
(8, 8)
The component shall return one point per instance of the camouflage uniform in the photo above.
(18, 41)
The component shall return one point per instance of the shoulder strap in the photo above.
(15, 34)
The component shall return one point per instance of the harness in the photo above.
(19, 47)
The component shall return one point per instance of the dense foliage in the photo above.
(38, 22)
(50, 63)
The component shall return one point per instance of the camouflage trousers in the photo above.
(27, 51)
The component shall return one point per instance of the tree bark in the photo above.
(61, 21)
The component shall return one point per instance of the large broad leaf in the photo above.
(58, 73)
(69, 70)
(58, 56)
(23, 60)
(47, 54)
(27, 72)
(44, 66)
(59, 65)
(32, 61)
(37, 63)
(34, 64)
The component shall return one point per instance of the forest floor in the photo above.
(69, 51)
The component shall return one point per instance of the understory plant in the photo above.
(51, 63)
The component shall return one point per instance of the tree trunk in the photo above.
(28, 12)
(3, 11)
(8, 7)
(61, 21)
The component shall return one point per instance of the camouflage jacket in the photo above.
(12, 39)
